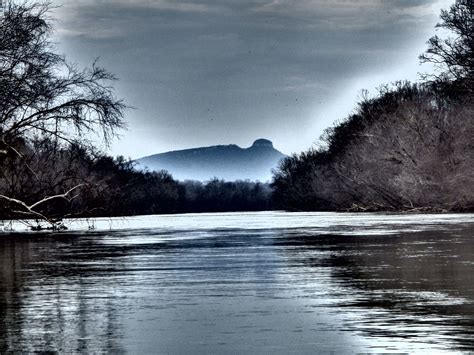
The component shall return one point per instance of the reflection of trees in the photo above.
(401, 285)
(46, 305)
(70, 293)
(11, 262)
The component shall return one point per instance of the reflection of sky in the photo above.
(407, 292)
(218, 72)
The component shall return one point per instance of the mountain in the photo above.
(228, 162)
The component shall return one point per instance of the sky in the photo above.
(208, 72)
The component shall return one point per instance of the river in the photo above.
(268, 282)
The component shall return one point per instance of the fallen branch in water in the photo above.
(29, 210)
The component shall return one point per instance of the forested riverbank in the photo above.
(106, 187)
(408, 148)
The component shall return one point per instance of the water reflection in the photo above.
(238, 290)
(47, 305)
(411, 286)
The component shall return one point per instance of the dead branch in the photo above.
(29, 209)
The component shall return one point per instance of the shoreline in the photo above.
(262, 220)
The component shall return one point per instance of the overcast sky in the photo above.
(209, 72)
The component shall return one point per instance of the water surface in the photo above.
(241, 282)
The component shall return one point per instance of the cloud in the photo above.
(181, 6)
(247, 66)
(106, 17)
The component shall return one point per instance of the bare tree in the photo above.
(42, 95)
(454, 56)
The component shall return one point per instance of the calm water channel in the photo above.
(252, 282)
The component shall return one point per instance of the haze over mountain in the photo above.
(228, 162)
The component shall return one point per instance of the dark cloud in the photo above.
(213, 71)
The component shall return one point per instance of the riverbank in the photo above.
(254, 220)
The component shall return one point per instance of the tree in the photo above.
(43, 96)
(454, 56)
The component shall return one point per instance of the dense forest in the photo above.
(104, 186)
(408, 148)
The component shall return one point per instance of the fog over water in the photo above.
(241, 282)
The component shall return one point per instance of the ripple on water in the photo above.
(251, 282)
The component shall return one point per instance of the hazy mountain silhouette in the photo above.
(228, 162)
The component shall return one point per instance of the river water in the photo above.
(269, 282)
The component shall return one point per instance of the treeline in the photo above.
(408, 148)
(110, 187)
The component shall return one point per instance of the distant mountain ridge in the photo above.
(228, 162)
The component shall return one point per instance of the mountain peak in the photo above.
(228, 162)
(262, 143)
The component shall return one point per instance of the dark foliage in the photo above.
(220, 196)
(410, 148)
(111, 187)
